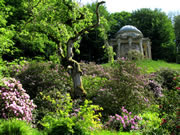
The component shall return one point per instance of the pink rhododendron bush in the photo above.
(14, 101)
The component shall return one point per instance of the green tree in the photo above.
(177, 33)
(6, 32)
(158, 27)
(119, 19)
(48, 29)
(18, 13)
(62, 22)
(177, 26)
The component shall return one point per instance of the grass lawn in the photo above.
(106, 132)
(149, 66)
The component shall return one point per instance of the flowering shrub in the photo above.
(94, 70)
(155, 87)
(125, 88)
(15, 67)
(126, 122)
(14, 101)
(45, 77)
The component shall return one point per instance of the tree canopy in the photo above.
(177, 26)
(156, 25)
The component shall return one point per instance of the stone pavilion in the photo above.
(130, 38)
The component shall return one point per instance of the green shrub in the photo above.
(16, 127)
(44, 76)
(134, 55)
(92, 84)
(151, 121)
(70, 118)
(107, 132)
(169, 109)
(3, 68)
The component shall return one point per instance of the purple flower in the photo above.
(15, 102)
(124, 110)
(125, 117)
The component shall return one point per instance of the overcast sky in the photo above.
(131, 5)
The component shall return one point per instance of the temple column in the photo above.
(130, 43)
(141, 48)
(149, 50)
(119, 48)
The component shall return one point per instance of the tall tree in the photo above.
(119, 19)
(158, 27)
(177, 33)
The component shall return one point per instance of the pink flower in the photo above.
(125, 117)
(132, 127)
(16, 103)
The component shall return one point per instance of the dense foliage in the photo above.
(70, 118)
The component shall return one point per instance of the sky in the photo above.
(131, 5)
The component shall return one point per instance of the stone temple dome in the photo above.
(129, 31)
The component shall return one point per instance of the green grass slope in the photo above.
(150, 66)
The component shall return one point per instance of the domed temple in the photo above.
(130, 38)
